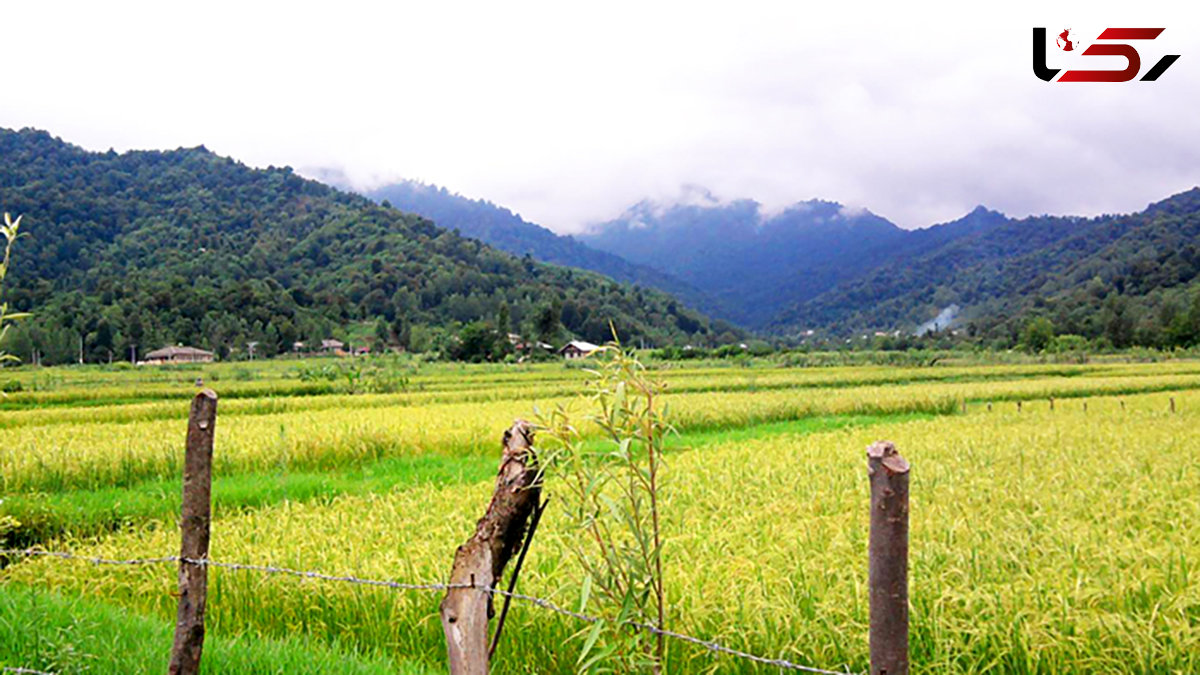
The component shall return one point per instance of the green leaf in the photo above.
(585, 593)
(601, 654)
(590, 642)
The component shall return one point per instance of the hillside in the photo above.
(141, 249)
(820, 266)
(499, 227)
(756, 264)
(1131, 278)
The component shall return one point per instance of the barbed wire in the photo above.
(543, 603)
(25, 671)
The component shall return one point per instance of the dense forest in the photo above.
(819, 273)
(1116, 280)
(133, 251)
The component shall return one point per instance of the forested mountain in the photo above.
(141, 249)
(756, 264)
(499, 227)
(1131, 279)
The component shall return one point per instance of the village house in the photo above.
(179, 354)
(520, 345)
(577, 349)
(335, 347)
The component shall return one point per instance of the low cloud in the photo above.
(918, 116)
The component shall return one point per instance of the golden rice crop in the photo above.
(72, 455)
(1043, 541)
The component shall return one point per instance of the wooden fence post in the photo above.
(888, 570)
(480, 561)
(1172, 404)
(194, 523)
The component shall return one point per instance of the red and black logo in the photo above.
(1067, 41)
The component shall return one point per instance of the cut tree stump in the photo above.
(480, 561)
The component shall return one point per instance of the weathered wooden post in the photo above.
(479, 563)
(194, 523)
(1172, 405)
(1051, 404)
(888, 570)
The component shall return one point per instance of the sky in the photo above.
(568, 113)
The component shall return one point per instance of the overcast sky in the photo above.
(570, 112)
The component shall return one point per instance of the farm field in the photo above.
(1053, 538)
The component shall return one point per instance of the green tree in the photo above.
(548, 322)
(612, 496)
(1037, 335)
(383, 335)
(503, 318)
(1184, 329)
(477, 343)
(102, 341)
(1118, 322)
(136, 331)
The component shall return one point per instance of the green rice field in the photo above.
(1046, 537)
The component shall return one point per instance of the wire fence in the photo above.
(711, 645)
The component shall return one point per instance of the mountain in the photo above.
(1114, 275)
(497, 226)
(142, 249)
(819, 266)
(755, 264)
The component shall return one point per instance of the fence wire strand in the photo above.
(25, 671)
(711, 645)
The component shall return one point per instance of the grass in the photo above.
(50, 632)
(90, 513)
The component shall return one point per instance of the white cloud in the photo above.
(568, 113)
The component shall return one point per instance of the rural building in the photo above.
(331, 346)
(521, 345)
(177, 355)
(577, 349)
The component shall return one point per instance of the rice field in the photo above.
(1053, 538)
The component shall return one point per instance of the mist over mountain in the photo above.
(820, 266)
(499, 227)
(753, 263)
(1131, 278)
(839, 271)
